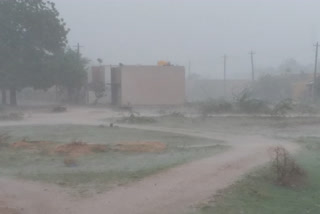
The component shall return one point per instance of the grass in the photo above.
(98, 171)
(132, 119)
(257, 193)
(278, 126)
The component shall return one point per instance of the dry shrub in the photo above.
(151, 147)
(80, 148)
(287, 171)
(215, 107)
(31, 145)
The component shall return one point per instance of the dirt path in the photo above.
(169, 192)
(177, 189)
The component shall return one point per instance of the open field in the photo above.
(101, 170)
(192, 166)
(293, 126)
(257, 193)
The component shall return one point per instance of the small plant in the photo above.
(132, 119)
(215, 107)
(70, 162)
(59, 109)
(288, 172)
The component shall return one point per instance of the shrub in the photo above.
(132, 119)
(306, 108)
(215, 107)
(282, 107)
(249, 105)
(59, 109)
(288, 173)
(12, 116)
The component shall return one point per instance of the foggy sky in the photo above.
(202, 31)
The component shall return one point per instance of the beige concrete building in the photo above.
(148, 85)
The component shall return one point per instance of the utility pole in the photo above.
(252, 66)
(189, 69)
(78, 46)
(314, 86)
(225, 76)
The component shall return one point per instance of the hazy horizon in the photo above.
(143, 32)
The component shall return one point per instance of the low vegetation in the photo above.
(11, 116)
(266, 191)
(133, 119)
(282, 108)
(215, 107)
(285, 169)
(249, 105)
(246, 104)
(59, 109)
(103, 158)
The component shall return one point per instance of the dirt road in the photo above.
(169, 192)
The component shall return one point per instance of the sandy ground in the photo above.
(169, 192)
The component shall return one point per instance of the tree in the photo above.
(3, 86)
(99, 88)
(31, 35)
(70, 73)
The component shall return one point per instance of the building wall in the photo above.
(116, 86)
(100, 73)
(152, 85)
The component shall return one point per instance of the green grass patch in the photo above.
(98, 171)
(257, 193)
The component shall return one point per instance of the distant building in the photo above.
(302, 85)
(137, 85)
(206, 89)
